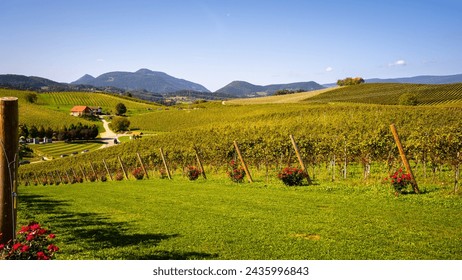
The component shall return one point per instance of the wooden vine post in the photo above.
(199, 162)
(299, 157)
(94, 172)
(9, 123)
(107, 170)
(165, 164)
(243, 162)
(123, 167)
(403, 158)
(142, 165)
(83, 173)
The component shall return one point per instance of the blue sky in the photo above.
(216, 42)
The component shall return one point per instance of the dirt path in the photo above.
(108, 136)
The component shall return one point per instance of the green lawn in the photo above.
(55, 150)
(217, 219)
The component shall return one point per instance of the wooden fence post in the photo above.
(165, 163)
(403, 157)
(123, 167)
(243, 162)
(300, 160)
(199, 162)
(9, 123)
(142, 165)
(107, 170)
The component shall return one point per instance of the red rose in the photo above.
(24, 229)
(51, 236)
(25, 248)
(52, 248)
(34, 226)
(30, 237)
(41, 256)
(17, 246)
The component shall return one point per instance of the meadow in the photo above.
(218, 219)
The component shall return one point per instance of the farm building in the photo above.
(78, 111)
(96, 110)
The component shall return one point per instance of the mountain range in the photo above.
(143, 79)
(154, 85)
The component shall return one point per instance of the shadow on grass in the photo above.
(96, 236)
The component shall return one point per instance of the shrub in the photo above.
(103, 178)
(163, 173)
(92, 177)
(119, 124)
(192, 172)
(237, 173)
(138, 173)
(32, 243)
(292, 176)
(119, 176)
(400, 181)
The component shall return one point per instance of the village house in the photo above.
(96, 110)
(78, 111)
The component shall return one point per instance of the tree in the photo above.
(350, 81)
(120, 109)
(31, 97)
(120, 124)
(33, 132)
(23, 130)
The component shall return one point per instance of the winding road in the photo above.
(108, 136)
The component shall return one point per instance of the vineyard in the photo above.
(339, 142)
(35, 114)
(64, 101)
(388, 94)
(52, 109)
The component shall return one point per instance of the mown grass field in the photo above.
(218, 219)
(55, 150)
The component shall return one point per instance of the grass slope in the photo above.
(277, 99)
(159, 219)
(388, 94)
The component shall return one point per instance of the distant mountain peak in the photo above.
(143, 79)
(145, 71)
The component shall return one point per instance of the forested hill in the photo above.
(246, 89)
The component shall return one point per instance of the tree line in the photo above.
(350, 81)
(66, 133)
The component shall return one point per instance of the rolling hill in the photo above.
(389, 93)
(246, 89)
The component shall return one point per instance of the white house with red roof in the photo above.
(78, 111)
